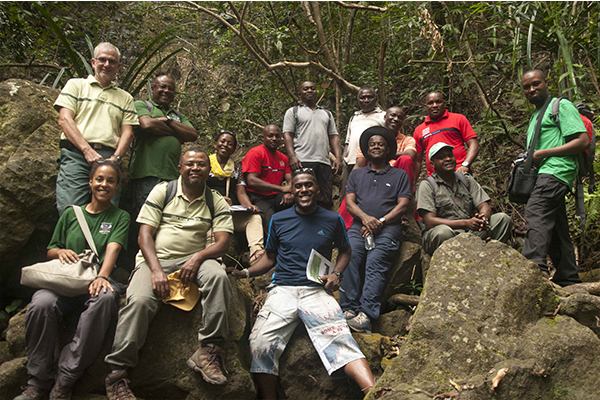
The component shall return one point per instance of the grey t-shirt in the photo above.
(311, 133)
(453, 203)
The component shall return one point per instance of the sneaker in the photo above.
(31, 392)
(60, 392)
(349, 314)
(208, 360)
(117, 386)
(360, 323)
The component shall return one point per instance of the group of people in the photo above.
(188, 204)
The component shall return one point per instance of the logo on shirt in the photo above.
(281, 163)
(105, 228)
(425, 131)
(321, 232)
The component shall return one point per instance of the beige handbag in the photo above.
(66, 279)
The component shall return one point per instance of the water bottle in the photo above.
(369, 242)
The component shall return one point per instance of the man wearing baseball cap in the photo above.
(376, 196)
(451, 203)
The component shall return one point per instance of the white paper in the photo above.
(317, 266)
(237, 208)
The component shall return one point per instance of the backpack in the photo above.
(172, 190)
(585, 159)
(295, 111)
(434, 186)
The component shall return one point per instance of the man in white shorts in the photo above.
(293, 233)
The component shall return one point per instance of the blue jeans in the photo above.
(366, 275)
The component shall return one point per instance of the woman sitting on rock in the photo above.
(226, 177)
(109, 227)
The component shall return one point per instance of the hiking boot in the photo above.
(60, 392)
(349, 314)
(208, 360)
(117, 386)
(31, 392)
(360, 323)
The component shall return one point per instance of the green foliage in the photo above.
(10, 309)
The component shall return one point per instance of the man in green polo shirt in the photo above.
(556, 157)
(157, 144)
(173, 238)
(96, 118)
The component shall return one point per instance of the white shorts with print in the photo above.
(321, 314)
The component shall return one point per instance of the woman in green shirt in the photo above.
(109, 227)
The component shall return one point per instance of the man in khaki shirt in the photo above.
(96, 118)
(451, 203)
(170, 237)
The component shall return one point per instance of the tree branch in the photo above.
(255, 52)
(254, 124)
(321, 34)
(349, 87)
(361, 6)
(30, 65)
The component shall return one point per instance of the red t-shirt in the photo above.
(451, 128)
(270, 166)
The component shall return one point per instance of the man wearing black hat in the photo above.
(376, 196)
(451, 203)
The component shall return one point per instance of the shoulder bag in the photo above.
(524, 173)
(68, 280)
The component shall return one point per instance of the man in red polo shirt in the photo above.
(265, 169)
(443, 126)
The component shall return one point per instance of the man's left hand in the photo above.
(287, 199)
(331, 282)
(188, 272)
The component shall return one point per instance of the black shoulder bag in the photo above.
(524, 173)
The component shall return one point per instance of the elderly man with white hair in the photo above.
(96, 118)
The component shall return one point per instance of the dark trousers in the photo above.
(324, 176)
(42, 321)
(268, 206)
(366, 275)
(548, 230)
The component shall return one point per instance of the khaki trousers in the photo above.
(143, 305)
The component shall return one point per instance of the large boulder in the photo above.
(161, 372)
(484, 309)
(29, 136)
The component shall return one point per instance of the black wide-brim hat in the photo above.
(381, 131)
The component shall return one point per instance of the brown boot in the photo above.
(31, 392)
(117, 386)
(209, 361)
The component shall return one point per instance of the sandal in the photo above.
(256, 256)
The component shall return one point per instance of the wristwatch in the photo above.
(339, 275)
(382, 220)
(168, 121)
(465, 164)
(116, 157)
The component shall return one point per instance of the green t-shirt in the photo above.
(152, 155)
(562, 167)
(110, 225)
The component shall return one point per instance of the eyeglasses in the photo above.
(103, 60)
(304, 171)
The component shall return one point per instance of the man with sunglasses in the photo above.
(96, 118)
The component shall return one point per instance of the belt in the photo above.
(65, 144)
